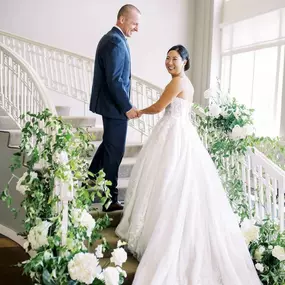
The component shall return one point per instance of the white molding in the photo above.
(11, 234)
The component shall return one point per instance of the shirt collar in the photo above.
(120, 31)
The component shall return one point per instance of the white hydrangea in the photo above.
(43, 163)
(258, 253)
(22, 188)
(60, 157)
(83, 218)
(111, 276)
(33, 176)
(249, 230)
(259, 267)
(237, 133)
(38, 235)
(84, 267)
(214, 110)
(99, 251)
(279, 252)
(119, 256)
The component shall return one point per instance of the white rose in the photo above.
(119, 256)
(84, 267)
(237, 133)
(38, 235)
(270, 247)
(22, 188)
(209, 93)
(84, 219)
(259, 267)
(258, 253)
(60, 157)
(214, 110)
(99, 251)
(279, 252)
(249, 230)
(111, 276)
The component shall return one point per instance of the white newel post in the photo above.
(66, 195)
(63, 190)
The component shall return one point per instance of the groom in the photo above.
(110, 97)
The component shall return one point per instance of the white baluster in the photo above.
(268, 193)
(274, 201)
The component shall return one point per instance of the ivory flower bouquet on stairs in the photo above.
(58, 226)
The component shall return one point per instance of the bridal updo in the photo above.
(183, 53)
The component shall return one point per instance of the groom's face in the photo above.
(130, 23)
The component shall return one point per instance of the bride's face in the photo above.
(174, 63)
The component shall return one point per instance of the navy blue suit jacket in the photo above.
(111, 88)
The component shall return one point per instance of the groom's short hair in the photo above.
(126, 9)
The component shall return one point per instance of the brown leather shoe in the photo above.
(113, 207)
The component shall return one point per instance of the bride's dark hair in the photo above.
(183, 53)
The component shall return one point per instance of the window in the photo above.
(253, 67)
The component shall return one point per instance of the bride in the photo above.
(177, 219)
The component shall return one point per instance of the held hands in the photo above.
(133, 113)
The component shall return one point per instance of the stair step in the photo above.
(122, 188)
(80, 121)
(115, 215)
(6, 123)
(131, 150)
(63, 110)
(126, 167)
(14, 138)
(130, 266)
(97, 132)
(111, 238)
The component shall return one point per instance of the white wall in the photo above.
(77, 25)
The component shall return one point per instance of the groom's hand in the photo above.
(133, 113)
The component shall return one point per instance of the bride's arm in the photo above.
(171, 91)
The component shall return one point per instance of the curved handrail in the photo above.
(21, 89)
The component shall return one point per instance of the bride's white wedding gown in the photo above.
(177, 219)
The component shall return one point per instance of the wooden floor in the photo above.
(11, 254)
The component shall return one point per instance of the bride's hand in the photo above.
(139, 112)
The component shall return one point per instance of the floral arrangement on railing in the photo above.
(227, 129)
(56, 168)
(267, 248)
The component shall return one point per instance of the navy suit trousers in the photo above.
(110, 152)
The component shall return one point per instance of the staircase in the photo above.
(109, 234)
(129, 159)
(132, 149)
(34, 74)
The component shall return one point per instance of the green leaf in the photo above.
(47, 278)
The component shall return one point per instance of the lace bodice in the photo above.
(178, 108)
